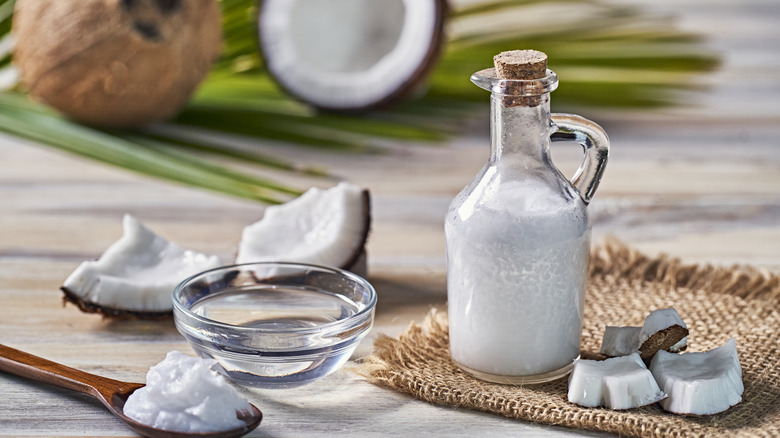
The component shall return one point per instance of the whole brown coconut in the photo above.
(115, 63)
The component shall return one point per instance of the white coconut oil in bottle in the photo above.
(518, 236)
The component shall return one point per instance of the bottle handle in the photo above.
(595, 144)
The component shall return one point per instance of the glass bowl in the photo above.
(274, 325)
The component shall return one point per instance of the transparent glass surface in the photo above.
(275, 325)
(518, 241)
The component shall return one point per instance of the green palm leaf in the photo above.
(608, 55)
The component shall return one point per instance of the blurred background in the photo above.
(689, 91)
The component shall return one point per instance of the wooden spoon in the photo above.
(112, 393)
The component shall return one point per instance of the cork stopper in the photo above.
(520, 65)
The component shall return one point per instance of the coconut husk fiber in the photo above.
(624, 286)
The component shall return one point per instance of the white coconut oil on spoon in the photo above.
(114, 394)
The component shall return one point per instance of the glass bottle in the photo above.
(518, 240)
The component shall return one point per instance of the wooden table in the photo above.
(699, 183)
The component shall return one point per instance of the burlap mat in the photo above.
(625, 285)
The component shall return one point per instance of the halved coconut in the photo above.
(136, 275)
(618, 383)
(323, 227)
(700, 383)
(350, 55)
(663, 330)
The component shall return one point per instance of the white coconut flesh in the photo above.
(350, 54)
(663, 330)
(620, 341)
(617, 383)
(700, 383)
(323, 227)
(137, 273)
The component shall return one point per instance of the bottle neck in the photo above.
(520, 132)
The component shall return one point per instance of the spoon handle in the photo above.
(42, 370)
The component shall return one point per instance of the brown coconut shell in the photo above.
(358, 260)
(115, 63)
(662, 340)
(112, 313)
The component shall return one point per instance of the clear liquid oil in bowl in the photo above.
(281, 360)
(275, 308)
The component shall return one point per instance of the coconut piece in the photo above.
(618, 383)
(125, 63)
(136, 275)
(662, 330)
(700, 383)
(323, 227)
(680, 346)
(351, 55)
(620, 341)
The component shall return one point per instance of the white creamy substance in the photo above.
(517, 258)
(184, 394)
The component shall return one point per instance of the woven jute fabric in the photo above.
(624, 286)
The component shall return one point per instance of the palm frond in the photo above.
(18, 117)
(607, 55)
